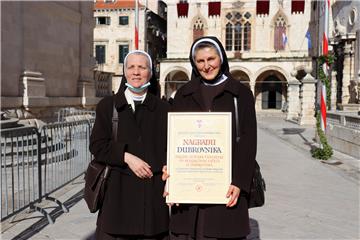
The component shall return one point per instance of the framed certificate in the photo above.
(199, 157)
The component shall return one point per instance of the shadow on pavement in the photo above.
(298, 131)
(254, 230)
(43, 222)
(90, 237)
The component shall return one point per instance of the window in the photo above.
(279, 32)
(123, 20)
(297, 6)
(247, 36)
(238, 32)
(198, 29)
(103, 20)
(228, 37)
(237, 35)
(123, 50)
(100, 54)
(262, 7)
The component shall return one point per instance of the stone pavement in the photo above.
(305, 198)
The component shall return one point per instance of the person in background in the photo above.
(212, 88)
(133, 206)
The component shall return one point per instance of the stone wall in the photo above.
(343, 132)
(180, 29)
(47, 55)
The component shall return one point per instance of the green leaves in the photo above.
(326, 151)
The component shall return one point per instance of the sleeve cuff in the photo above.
(117, 154)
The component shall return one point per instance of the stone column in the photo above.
(252, 86)
(162, 88)
(307, 100)
(33, 90)
(293, 102)
(346, 74)
(333, 91)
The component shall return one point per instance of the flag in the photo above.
(324, 31)
(323, 107)
(284, 39)
(308, 37)
(325, 68)
(325, 39)
(324, 27)
(136, 24)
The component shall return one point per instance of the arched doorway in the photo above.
(271, 93)
(173, 81)
(242, 77)
(271, 90)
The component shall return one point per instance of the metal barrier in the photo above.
(35, 163)
(73, 114)
(19, 169)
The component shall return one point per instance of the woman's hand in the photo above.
(165, 174)
(233, 193)
(138, 166)
(164, 177)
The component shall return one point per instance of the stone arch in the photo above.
(272, 67)
(196, 19)
(300, 72)
(280, 26)
(174, 79)
(198, 26)
(242, 74)
(270, 89)
(172, 69)
(279, 13)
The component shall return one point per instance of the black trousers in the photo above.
(100, 235)
(199, 231)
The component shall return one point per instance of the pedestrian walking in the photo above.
(133, 207)
(212, 88)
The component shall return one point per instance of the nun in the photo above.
(213, 88)
(133, 207)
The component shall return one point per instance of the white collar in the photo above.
(222, 79)
(130, 98)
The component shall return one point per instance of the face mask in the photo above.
(139, 89)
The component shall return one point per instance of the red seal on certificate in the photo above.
(199, 187)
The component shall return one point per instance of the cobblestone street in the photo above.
(305, 198)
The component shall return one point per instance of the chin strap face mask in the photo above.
(138, 89)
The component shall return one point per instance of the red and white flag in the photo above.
(136, 25)
(323, 107)
(324, 31)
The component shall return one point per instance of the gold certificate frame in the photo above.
(199, 157)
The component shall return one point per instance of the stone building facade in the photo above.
(345, 40)
(114, 34)
(46, 52)
(265, 42)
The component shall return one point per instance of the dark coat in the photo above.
(132, 206)
(219, 221)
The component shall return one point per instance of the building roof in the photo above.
(117, 4)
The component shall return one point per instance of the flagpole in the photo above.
(136, 25)
(325, 49)
(324, 33)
